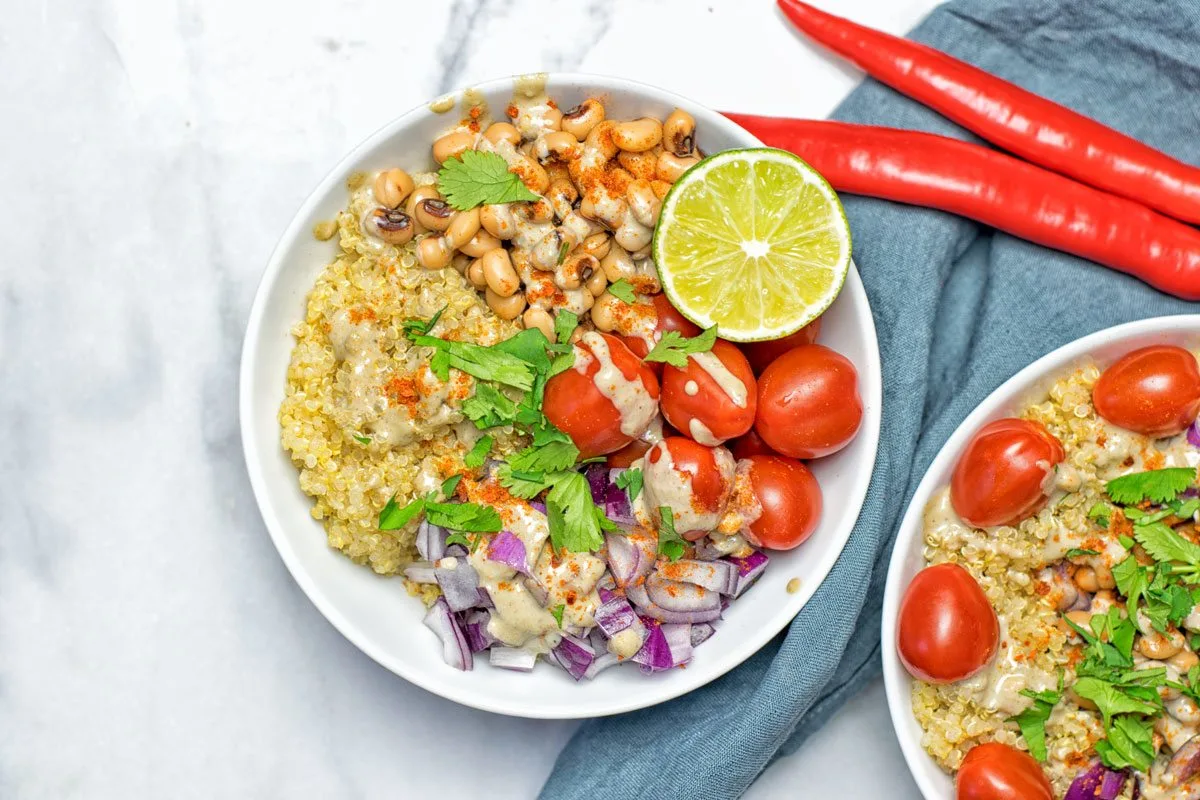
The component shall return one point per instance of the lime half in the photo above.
(753, 241)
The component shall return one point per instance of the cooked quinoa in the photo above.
(350, 479)
(1014, 567)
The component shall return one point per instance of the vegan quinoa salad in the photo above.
(1053, 637)
(492, 399)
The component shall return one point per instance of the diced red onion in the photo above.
(431, 541)
(574, 655)
(535, 589)
(750, 569)
(474, 626)
(1193, 434)
(602, 662)
(616, 501)
(679, 640)
(705, 550)
(614, 615)
(630, 556)
(485, 599)
(537, 505)
(597, 478)
(455, 649)
(507, 548)
(597, 640)
(420, 573)
(701, 632)
(1097, 783)
(716, 576)
(646, 607)
(678, 596)
(655, 653)
(515, 658)
(460, 585)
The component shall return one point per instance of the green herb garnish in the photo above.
(421, 327)
(562, 252)
(476, 178)
(1032, 721)
(622, 290)
(1079, 551)
(394, 517)
(1165, 545)
(631, 481)
(479, 453)
(565, 323)
(1156, 485)
(674, 349)
(576, 523)
(670, 543)
(450, 484)
(485, 363)
(362, 439)
(557, 613)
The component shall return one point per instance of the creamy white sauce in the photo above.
(533, 107)
(626, 643)
(691, 389)
(999, 685)
(702, 434)
(570, 581)
(629, 397)
(729, 383)
(663, 485)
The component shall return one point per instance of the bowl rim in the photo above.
(254, 456)
(897, 682)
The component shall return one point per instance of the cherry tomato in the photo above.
(667, 318)
(750, 444)
(624, 458)
(995, 771)
(694, 480)
(790, 499)
(707, 408)
(1154, 391)
(1002, 475)
(947, 630)
(761, 354)
(576, 405)
(808, 402)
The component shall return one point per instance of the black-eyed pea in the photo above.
(419, 194)
(452, 145)
(581, 119)
(599, 144)
(562, 196)
(640, 165)
(604, 315)
(597, 284)
(480, 243)
(598, 244)
(475, 275)
(499, 273)
(1085, 578)
(1184, 660)
(660, 188)
(433, 252)
(559, 144)
(679, 133)
(540, 319)
(617, 264)
(435, 214)
(632, 235)
(644, 204)
(576, 269)
(391, 225)
(502, 131)
(1081, 618)
(531, 173)
(392, 187)
(540, 210)
(637, 135)
(552, 249)
(462, 229)
(498, 220)
(1161, 646)
(505, 307)
(460, 262)
(1104, 577)
(671, 166)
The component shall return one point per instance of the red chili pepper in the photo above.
(1019, 121)
(996, 189)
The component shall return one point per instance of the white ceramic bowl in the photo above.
(375, 613)
(1029, 385)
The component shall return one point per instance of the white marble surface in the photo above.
(151, 642)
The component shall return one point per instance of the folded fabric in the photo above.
(959, 309)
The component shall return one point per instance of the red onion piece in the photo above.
(677, 596)
(630, 556)
(507, 548)
(1097, 783)
(431, 541)
(679, 640)
(750, 569)
(574, 655)
(616, 501)
(602, 662)
(614, 615)
(647, 608)
(1186, 761)
(537, 505)
(514, 658)
(597, 478)
(420, 573)
(655, 654)
(474, 625)
(1193, 434)
(716, 576)
(701, 632)
(455, 650)
(460, 585)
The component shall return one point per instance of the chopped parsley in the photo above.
(470, 542)
(476, 178)
(362, 439)
(450, 485)
(489, 407)
(1079, 551)
(1100, 513)
(576, 522)
(394, 517)
(1032, 721)
(421, 327)
(565, 323)
(485, 363)
(557, 613)
(670, 543)
(674, 349)
(455, 516)
(1156, 485)
(479, 453)
(623, 291)
(562, 252)
(1165, 545)
(552, 456)
(631, 481)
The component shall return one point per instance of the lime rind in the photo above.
(729, 255)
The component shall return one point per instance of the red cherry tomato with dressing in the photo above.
(996, 771)
(1002, 476)
(808, 402)
(761, 354)
(667, 318)
(790, 499)
(705, 405)
(750, 444)
(947, 630)
(576, 405)
(694, 480)
(1154, 391)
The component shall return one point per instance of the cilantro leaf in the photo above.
(489, 407)
(463, 517)
(1156, 485)
(562, 252)
(421, 327)
(1112, 700)
(576, 523)
(479, 453)
(1100, 513)
(485, 363)
(631, 481)
(1079, 551)
(1129, 743)
(362, 439)
(561, 363)
(622, 290)
(470, 542)
(565, 323)
(670, 543)
(1032, 721)
(530, 345)
(526, 485)
(1164, 544)
(553, 456)
(476, 178)
(1132, 581)
(450, 484)
(393, 517)
(544, 433)
(674, 349)
(557, 613)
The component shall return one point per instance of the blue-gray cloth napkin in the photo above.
(959, 308)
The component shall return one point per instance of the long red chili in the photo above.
(1019, 121)
(995, 189)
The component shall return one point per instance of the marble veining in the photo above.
(151, 642)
